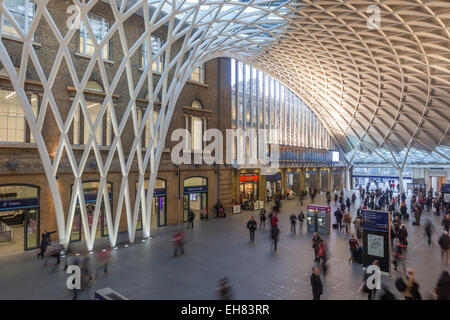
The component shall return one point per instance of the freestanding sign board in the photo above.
(376, 238)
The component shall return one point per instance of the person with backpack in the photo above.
(411, 291)
(262, 219)
(444, 242)
(293, 219)
(301, 218)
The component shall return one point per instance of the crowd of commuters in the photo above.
(346, 224)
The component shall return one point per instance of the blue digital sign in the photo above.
(375, 220)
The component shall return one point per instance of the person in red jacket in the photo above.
(274, 220)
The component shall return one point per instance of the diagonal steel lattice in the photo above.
(380, 93)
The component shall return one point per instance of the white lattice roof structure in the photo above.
(383, 93)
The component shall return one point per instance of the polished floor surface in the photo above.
(215, 249)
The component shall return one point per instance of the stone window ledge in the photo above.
(19, 145)
(86, 56)
(12, 38)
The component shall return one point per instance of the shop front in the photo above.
(195, 197)
(292, 183)
(273, 185)
(248, 187)
(19, 218)
(90, 189)
(337, 179)
(324, 180)
(159, 204)
(311, 180)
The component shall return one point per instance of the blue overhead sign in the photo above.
(445, 188)
(375, 220)
(16, 204)
(195, 189)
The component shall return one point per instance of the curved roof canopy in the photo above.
(382, 89)
(377, 73)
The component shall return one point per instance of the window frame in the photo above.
(201, 74)
(83, 34)
(26, 26)
(160, 60)
(27, 134)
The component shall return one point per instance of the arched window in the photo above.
(94, 86)
(196, 104)
(80, 126)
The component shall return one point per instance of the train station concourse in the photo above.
(211, 149)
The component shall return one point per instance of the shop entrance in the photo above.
(159, 204)
(273, 185)
(90, 189)
(195, 197)
(19, 218)
(311, 180)
(248, 187)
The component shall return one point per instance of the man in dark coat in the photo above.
(191, 217)
(316, 284)
(338, 215)
(275, 233)
(251, 225)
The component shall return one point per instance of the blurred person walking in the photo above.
(444, 242)
(443, 286)
(177, 239)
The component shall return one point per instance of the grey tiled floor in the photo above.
(214, 249)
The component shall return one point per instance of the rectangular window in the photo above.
(99, 27)
(146, 133)
(12, 119)
(199, 74)
(197, 133)
(22, 12)
(103, 129)
(158, 63)
(93, 109)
